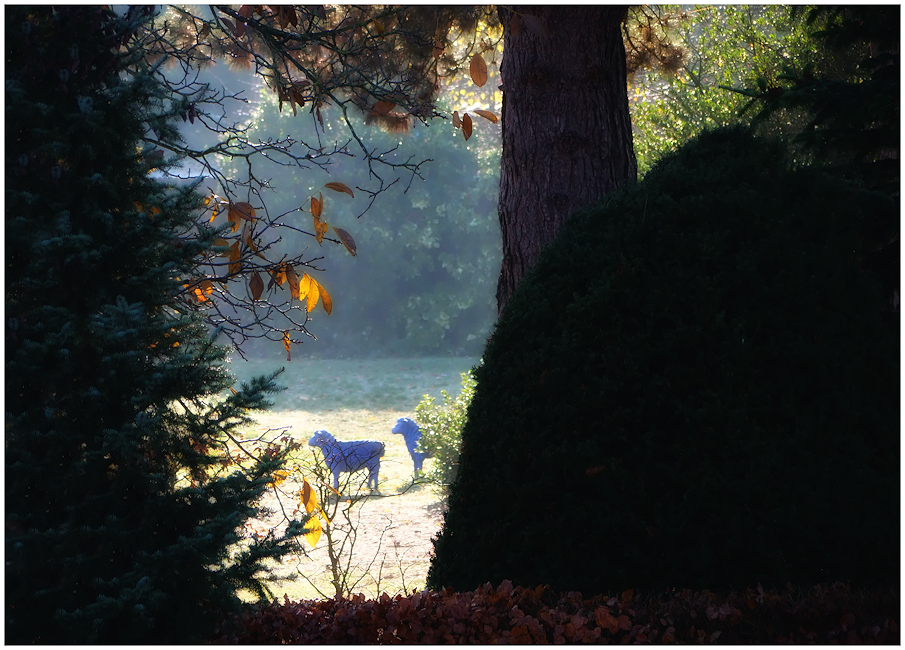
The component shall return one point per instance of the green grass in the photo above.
(371, 384)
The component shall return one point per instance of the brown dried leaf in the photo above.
(293, 279)
(382, 107)
(466, 125)
(339, 187)
(316, 208)
(456, 121)
(320, 229)
(244, 210)
(235, 254)
(256, 285)
(487, 115)
(478, 70)
(346, 239)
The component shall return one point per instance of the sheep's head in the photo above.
(405, 426)
(321, 438)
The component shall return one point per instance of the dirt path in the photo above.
(394, 529)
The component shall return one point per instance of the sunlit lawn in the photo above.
(354, 400)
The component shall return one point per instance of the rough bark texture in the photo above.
(567, 135)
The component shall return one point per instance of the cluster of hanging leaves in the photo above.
(478, 72)
(245, 244)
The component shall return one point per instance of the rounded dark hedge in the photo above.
(694, 387)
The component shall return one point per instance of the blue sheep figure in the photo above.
(349, 456)
(412, 434)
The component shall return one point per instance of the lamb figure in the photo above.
(412, 434)
(349, 456)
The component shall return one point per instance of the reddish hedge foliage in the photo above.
(824, 614)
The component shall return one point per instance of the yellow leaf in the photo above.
(466, 125)
(287, 344)
(478, 70)
(309, 499)
(313, 535)
(487, 115)
(316, 207)
(293, 279)
(346, 239)
(279, 476)
(308, 289)
(339, 187)
(326, 300)
(256, 285)
(313, 294)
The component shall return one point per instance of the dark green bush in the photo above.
(694, 387)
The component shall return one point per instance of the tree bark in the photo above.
(567, 134)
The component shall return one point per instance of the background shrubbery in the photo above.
(441, 431)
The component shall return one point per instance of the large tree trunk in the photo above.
(567, 135)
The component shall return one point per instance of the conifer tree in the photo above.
(124, 510)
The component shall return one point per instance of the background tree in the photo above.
(845, 103)
(682, 91)
(124, 503)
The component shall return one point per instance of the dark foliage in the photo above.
(693, 387)
(516, 615)
(849, 93)
(121, 517)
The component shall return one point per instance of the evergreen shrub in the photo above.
(694, 387)
(124, 511)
